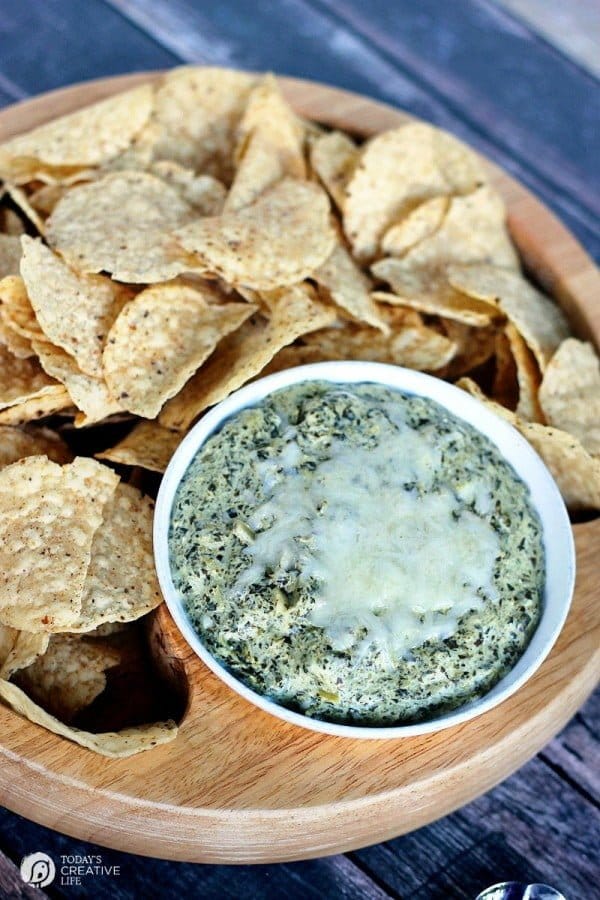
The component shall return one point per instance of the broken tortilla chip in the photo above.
(334, 157)
(347, 286)
(420, 223)
(570, 392)
(148, 445)
(160, 339)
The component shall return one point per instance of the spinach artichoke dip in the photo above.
(357, 554)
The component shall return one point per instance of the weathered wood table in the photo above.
(470, 67)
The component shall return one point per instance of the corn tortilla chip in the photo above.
(21, 199)
(121, 224)
(75, 311)
(245, 353)
(570, 393)
(14, 342)
(159, 341)
(16, 310)
(89, 394)
(69, 675)
(10, 255)
(422, 222)
(348, 288)
(48, 518)
(539, 320)
(197, 111)
(276, 241)
(575, 471)
(55, 399)
(21, 379)
(148, 445)
(528, 376)
(432, 296)
(16, 443)
(114, 744)
(19, 649)
(474, 347)
(398, 170)
(88, 137)
(205, 193)
(334, 157)
(270, 145)
(121, 583)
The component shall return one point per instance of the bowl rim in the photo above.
(557, 533)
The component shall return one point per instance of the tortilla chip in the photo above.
(20, 199)
(121, 583)
(270, 145)
(56, 399)
(69, 676)
(334, 157)
(21, 379)
(15, 343)
(575, 471)
(398, 170)
(432, 296)
(421, 223)
(505, 388)
(48, 517)
(246, 352)
(348, 288)
(88, 137)
(276, 241)
(148, 445)
(11, 223)
(18, 649)
(75, 311)
(44, 199)
(159, 341)
(570, 392)
(205, 193)
(474, 347)
(10, 255)
(90, 395)
(114, 744)
(409, 342)
(120, 224)
(528, 377)
(16, 311)
(539, 320)
(16, 443)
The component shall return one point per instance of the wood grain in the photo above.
(238, 785)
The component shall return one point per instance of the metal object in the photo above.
(516, 890)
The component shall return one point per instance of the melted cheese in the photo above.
(395, 562)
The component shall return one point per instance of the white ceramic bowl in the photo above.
(557, 534)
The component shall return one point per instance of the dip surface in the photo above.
(357, 554)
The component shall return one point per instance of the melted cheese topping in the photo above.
(395, 563)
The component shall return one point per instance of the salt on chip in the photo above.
(276, 241)
(121, 583)
(21, 379)
(420, 223)
(348, 288)
(570, 392)
(49, 515)
(74, 311)
(121, 224)
(270, 145)
(16, 443)
(197, 111)
(528, 376)
(540, 321)
(575, 471)
(160, 339)
(409, 342)
(88, 137)
(429, 295)
(10, 255)
(55, 399)
(333, 157)
(204, 192)
(399, 169)
(19, 649)
(114, 744)
(16, 310)
(89, 394)
(246, 352)
(69, 676)
(148, 445)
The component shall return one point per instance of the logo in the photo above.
(38, 870)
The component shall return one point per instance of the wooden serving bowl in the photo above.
(239, 785)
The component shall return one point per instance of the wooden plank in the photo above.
(574, 753)
(573, 27)
(312, 42)
(11, 883)
(335, 876)
(46, 45)
(532, 827)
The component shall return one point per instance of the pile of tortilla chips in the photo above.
(162, 248)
